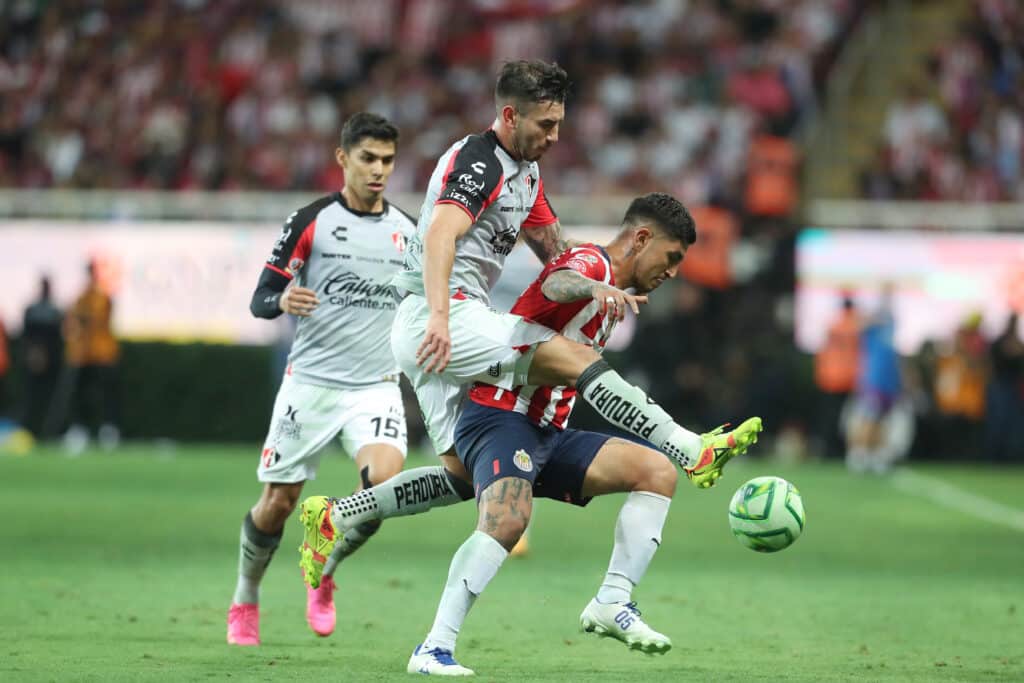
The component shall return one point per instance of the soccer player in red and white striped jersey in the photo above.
(588, 321)
(517, 445)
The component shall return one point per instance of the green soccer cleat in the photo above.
(719, 447)
(318, 540)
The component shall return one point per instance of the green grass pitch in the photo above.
(121, 567)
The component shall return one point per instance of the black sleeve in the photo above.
(289, 255)
(474, 178)
(265, 299)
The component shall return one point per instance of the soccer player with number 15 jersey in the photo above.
(331, 267)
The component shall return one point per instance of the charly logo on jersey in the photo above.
(349, 289)
(522, 460)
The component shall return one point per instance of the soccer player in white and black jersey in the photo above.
(331, 267)
(486, 191)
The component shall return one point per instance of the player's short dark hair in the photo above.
(667, 214)
(367, 125)
(531, 81)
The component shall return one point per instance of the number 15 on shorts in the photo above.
(389, 427)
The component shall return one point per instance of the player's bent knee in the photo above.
(505, 509)
(506, 528)
(382, 472)
(560, 361)
(656, 474)
(280, 500)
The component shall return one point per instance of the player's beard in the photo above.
(527, 150)
(538, 152)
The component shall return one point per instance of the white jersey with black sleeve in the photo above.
(500, 194)
(348, 258)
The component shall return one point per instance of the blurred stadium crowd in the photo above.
(705, 99)
(176, 94)
(969, 144)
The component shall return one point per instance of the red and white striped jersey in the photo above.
(580, 321)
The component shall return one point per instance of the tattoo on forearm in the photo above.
(564, 286)
(548, 242)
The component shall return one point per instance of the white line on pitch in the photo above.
(951, 496)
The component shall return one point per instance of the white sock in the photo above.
(637, 537)
(628, 407)
(255, 551)
(857, 459)
(474, 565)
(407, 493)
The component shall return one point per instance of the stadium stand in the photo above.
(247, 95)
(966, 142)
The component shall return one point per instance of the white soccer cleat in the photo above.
(622, 621)
(435, 662)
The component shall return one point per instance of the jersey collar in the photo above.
(493, 137)
(340, 198)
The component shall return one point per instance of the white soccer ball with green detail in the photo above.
(766, 514)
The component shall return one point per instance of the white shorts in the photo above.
(487, 346)
(306, 417)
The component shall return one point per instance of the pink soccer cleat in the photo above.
(320, 607)
(244, 624)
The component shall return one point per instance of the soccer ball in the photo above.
(766, 514)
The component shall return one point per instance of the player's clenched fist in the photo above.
(436, 348)
(298, 301)
(613, 301)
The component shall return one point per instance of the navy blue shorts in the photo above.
(493, 443)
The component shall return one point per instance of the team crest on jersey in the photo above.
(522, 460)
(270, 457)
(589, 258)
(577, 264)
(295, 265)
(530, 182)
(399, 240)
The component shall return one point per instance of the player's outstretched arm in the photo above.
(548, 241)
(567, 285)
(448, 224)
